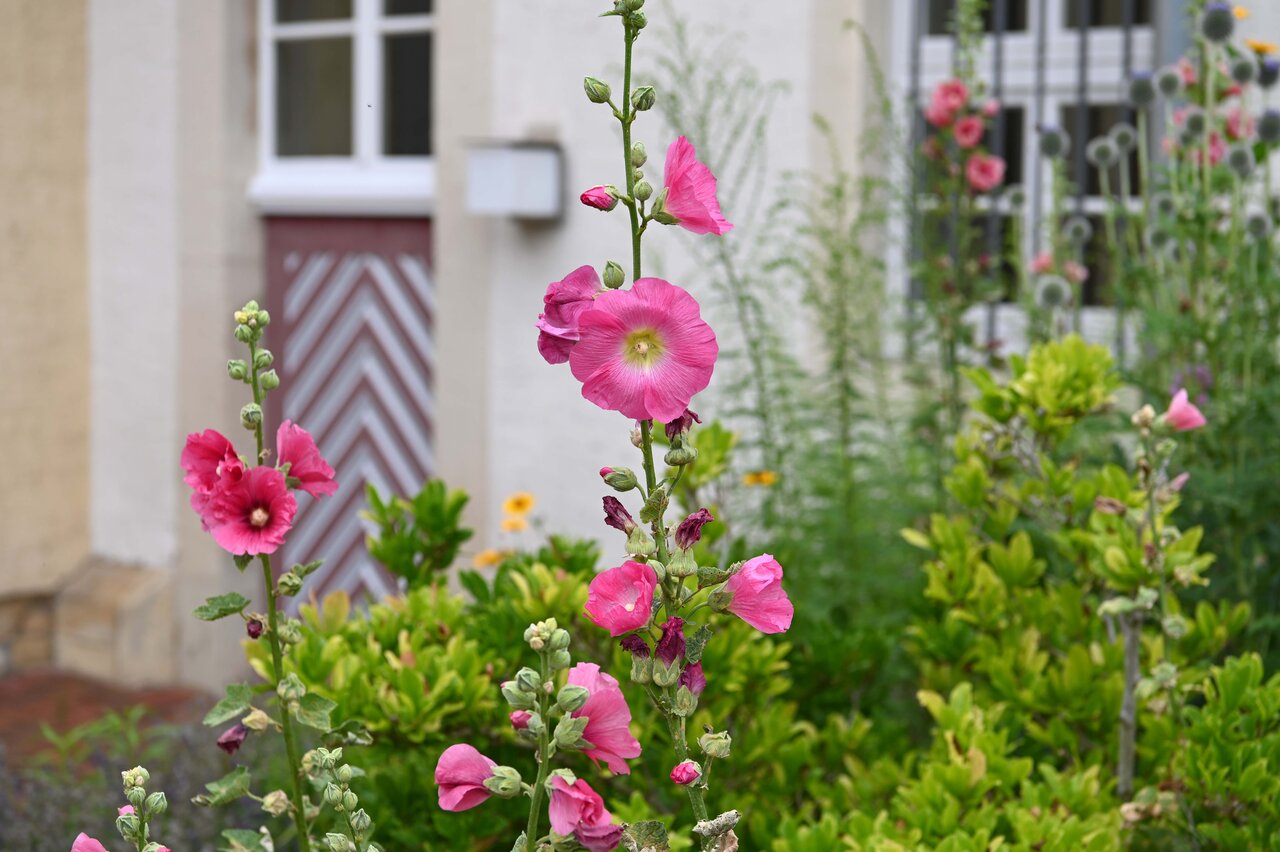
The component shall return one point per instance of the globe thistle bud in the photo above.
(1169, 82)
(638, 155)
(1268, 72)
(1052, 291)
(614, 276)
(1217, 22)
(1016, 195)
(1244, 69)
(1269, 126)
(1077, 230)
(1124, 137)
(1142, 90)
(1164, 204)
(1157, 238)
(1054, 142)
(598, 91)
(643, 98)
(1101, 152)
(1196, 121)
(1240, 160)
(1258, 224)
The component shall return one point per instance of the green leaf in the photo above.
(221, 606)
(243, 840)
(239, 699)
(915, 538)
(313, 711)
(475, 584)
(225, 790)
(307, 569)
(349, 732)
(242, 561)
(646, 836)
(696, 643)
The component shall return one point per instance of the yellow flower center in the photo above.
(642, 348)
(258, 518)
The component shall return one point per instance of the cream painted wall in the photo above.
(44, 412)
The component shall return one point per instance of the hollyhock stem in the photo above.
(651, 482)
(629, 36)
(696, 799)
(544, 763)
(277, 654)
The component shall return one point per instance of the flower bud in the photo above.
(254, 628)
(686, 772)
(559, 660)
(1169, 82)
(1101, 152)
(639, 20)
(276, 802)
(256, 720)
(1269, 126)
(665, 674)
(600, 198)
(237, 370)
(598, 91)
(638, 155)
(360, 822)
(679, 456)
(1196, 122)
(156, 804)
(291, 632)
(637, 437)
(1124, 136)
(505, 782)
(1240, 160)
(571, 698)
(137, 796)
(333, 795)
(269, 380)
(619, 478)
(614, 276)
(643, 98)
(262, 359)
(1244, 69)
(1054, 143)
(641, 669)
(1144, 417)
(1217, 22)
(686, 702)
(528, 680)
(337, 842)
(682, 564)
(128, 826)
(518, 698)
(640, 543)
(135, 777)
(344, 773)
(559, 640)
(644, 190)
(520, 719)
(262, 318)
(349, 801)
(289, 584)
(569, 730)
(535, 726)
(245, 334)
(251, 416)
(717, 745)
(290, 689)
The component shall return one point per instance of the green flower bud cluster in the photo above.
(134, 827)
(250, 321)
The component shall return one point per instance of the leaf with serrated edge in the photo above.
(313, 711)
(225, 790)
(221, 606)
(239, 699)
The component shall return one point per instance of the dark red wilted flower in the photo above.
(683, 423)
(254, 628)
(617, 516)
(671, 645)
(233, 738)
(636, 646)
(690, 529)
(693, 678)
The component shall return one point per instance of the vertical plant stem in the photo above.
(627, 118)
(1131, 632)
(277, 654)
(544, 764)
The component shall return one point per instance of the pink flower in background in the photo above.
(209, 459)
(685, 772)
(620, 599)
(1239, 124)
(969, 131)
(562, 305)
(1179, 482)
(940, 117)
(578, 811)
(252, 516)
(1187, 70)
(233, 738)
(1217, 150)
(1182, 415)
(691, 191)
(951, 95)
(599, 198)
(609, 718)
(645, 351)
(984, 172)
(520, 719)
(1075, 272)
(295, 446)
(991, 108)
(127, 809)
(1042, 263)
(460, 775)
(757, 597)
(85, 843)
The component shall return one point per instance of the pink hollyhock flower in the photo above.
(691, 191)
(252, 516)
(685, 773)
(609, 718)
(951, 94)
(940, 117)
(1217, 150)
(562, 305)
(1187, 70)
(85, 843)
(1182, 415)
(295, 446)
(984, 172)
(599, 198)
(1239, 124)
(209, 458)
(1042, 263)
(620, 599)
(991, 108)
(460, 775)
(1179, 482)
(1075, 272)
(689, 532)
(520, 719)
(127, 809)
(969, 131)
(756, 596)
(645, 351)
(578, 811)
(233, 738)
(694, 678)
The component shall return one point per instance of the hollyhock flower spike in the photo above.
(296, 448)
(563, 304)
(691, 191)
(609, 719)
(460, 775)
(577, 811)
(85, 843)
(644, 352)
(754, 593)
(252, 516)
(621, 599)
(1182, 415)
(600, 198)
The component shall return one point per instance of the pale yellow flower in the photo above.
(519, 503)
(1240, 12)
(1262, 48)
(486, 558)
(760, 477)
(515, 523)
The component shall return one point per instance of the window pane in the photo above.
(1010, 146)
(1099, 119)
(406, 95)
(1097, 287)
(1107, 13)
(408, 7)
(940, 12)
(313, 97)
(311, 10)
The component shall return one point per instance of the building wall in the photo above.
(44, 386)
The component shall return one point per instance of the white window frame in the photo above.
(367, 182)
(1106, 85)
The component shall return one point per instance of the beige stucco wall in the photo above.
(44, 344)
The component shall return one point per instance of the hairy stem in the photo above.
(1130, 629)
(544, 763)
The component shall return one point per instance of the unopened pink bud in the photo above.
(127, 809)
(520, 719)
(686, 773)
(599, 198)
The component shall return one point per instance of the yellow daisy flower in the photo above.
(519, 503)
(1240, 12)
(486, 558)
(1262, 48)
(515, 523)
(760, 477)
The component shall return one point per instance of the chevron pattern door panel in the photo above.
(351, 327)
